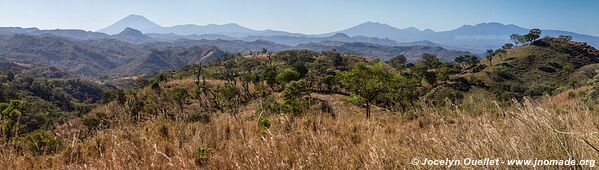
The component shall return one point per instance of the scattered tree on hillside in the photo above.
(536, 34)
(179, 95)
(490, 54)
(531, 37)
(516, 38)
(466, 61)
(294, 96)
(397, 62)
(133, 106)
(500, 52)
(10, 115)
(430, 61)
(402, 91)
(425, 68)
(287, 76)
(507, 46)
(366, 83)
(230, 96)
(593, 95)
(114, 95)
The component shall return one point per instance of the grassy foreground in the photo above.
(556, 127)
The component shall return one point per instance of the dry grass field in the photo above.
(475, 128)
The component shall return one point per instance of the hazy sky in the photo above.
(306, 16)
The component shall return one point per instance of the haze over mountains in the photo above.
(476, 38)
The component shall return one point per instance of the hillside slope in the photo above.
(95, 58)
(540, 67)
(173, 58)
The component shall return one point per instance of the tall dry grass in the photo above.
(476, 128)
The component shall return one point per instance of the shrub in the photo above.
(113, 95)
(201, 156)
(294, 94)
(507, 96)
(517, 88)
(441, 96)
(94, 121)
(163, 131)
(179, 96)
(263, 122)
(538, 90)
(287, 76)
(41, 142)
(199, 117)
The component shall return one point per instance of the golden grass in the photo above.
(474, 129)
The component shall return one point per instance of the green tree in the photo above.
(490, 54)
(470, 60)
(113, 95)
(516, 38)
(397, 62)
(507, 46)
(528, 38)
(179, 96)
(367, 83)
(402, 91)
(133, 106)
(460, 60)
(294, 95)
(229, 94)
(425, 66)
(535, 34)
(287, 76)
(41, 142)
(429, 61)
(9, 119)
(444, 72)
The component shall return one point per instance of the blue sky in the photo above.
(306, 16)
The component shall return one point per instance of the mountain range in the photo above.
(137, 46)
(475, 38)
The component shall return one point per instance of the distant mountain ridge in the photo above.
(476, 38)
(145, 25)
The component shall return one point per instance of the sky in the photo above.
(306, 16)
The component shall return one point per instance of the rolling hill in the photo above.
(96, 58)
(544, 66)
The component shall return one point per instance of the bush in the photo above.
(517, 88)
(41, 142)
(94, 121)
(113, 95)
(199, 117)
(201, 156)
(294, 94)
(287, 76)
(442, 95)
(263, 122)
(538, 90)
(508, 96)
